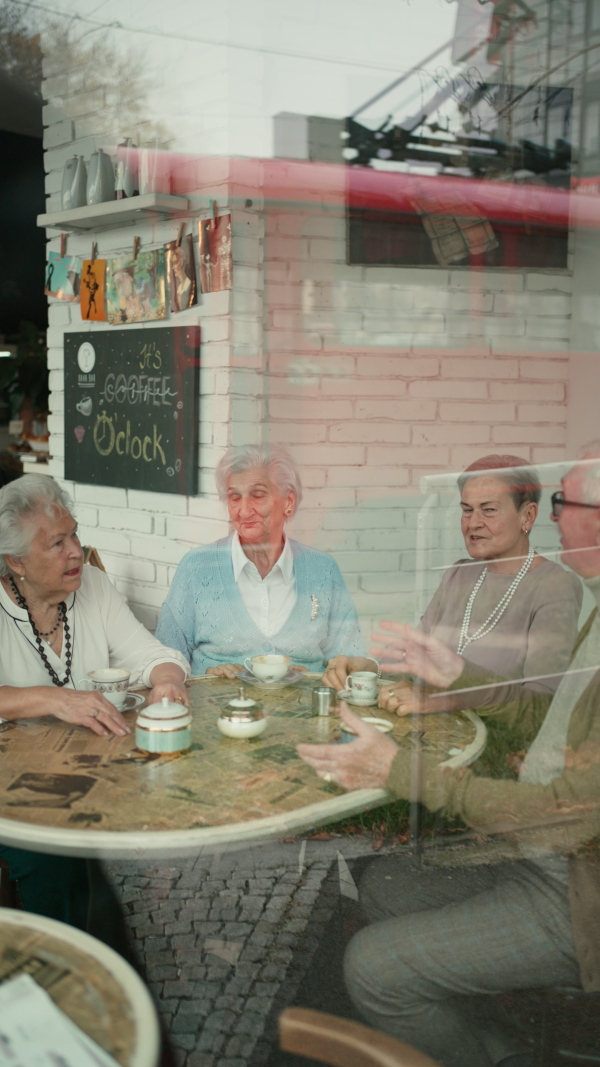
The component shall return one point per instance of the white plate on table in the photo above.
(290, 678)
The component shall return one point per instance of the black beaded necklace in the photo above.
(62, 617)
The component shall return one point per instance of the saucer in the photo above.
(132, 700)
(290, 678)
(347, 697)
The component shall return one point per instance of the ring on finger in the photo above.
(94, 714)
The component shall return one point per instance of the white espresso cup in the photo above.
(362, 687)
(268, 668)
(112, 682)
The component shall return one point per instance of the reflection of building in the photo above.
(374, 370)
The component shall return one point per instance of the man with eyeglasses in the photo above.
(442, 940)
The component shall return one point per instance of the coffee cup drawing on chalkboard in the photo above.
(85, 405)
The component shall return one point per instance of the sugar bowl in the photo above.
(242, 717)
(164, 728)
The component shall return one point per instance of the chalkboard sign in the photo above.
(131, 408)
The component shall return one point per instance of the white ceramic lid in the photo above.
(165, 709)
(241, 701)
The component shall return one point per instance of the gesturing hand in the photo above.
(361, 764)
(410, 651)
(85, 709)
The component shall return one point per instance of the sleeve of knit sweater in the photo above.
(177, 623)
(343, 637)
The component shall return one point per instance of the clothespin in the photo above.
(213, 207)
(180, 234)
(136, 246)
(63, 245)
(94, 254)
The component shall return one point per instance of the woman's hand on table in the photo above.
(175, 692)
(405, 650)
(89, 709)
(226, 670)
(340, 667)
(405, 699)
(363, 764)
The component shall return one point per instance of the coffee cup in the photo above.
(362, 687)
(84, 406)
(348, 734)
(268, 668)
(112, 682)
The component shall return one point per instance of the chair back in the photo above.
(343, 1043)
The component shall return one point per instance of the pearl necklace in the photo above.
(495, 616)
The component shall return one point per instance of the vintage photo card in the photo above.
(63, 277)
(136, 288)
(214, 247)
(92, 293)
(181, 274)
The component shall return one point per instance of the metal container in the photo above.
(323, 700)
(242, 718)
(164, 728)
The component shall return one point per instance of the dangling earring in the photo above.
(21, 577)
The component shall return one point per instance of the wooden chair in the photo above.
(91, 556)
(343, 1043)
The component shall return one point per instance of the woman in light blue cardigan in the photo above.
(258, 591)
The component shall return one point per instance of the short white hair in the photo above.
(19, 502)
(282, 468)
(589, 464)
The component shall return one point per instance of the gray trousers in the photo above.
(443, 939)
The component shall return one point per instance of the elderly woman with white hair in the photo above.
(258, 591)
(59, 620)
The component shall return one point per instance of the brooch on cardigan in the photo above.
(314, 610)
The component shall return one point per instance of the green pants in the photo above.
(55, 886)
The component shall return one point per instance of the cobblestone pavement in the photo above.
(224, 939)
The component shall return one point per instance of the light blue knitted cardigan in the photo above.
(204, 616)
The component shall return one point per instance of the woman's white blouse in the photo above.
(104, 633)
(269, 601)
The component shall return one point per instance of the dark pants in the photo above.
(74, 891)
(443, 941)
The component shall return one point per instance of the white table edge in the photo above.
(147, 1046)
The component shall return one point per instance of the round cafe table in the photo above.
(65, 790)
(89, 982)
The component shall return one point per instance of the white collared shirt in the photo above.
(269, 601)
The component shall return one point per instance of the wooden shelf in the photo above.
(114, 213)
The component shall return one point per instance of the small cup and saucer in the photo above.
(269, 671)
(361, 689)
(113, 683)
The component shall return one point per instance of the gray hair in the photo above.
(19, 502)
(283, 470)
(521, 480)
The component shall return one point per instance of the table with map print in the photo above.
(65, 790)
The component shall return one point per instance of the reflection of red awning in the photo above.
(329, 184)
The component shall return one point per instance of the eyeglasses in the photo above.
(558, 503)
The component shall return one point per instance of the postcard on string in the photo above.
(63, 277)
(216, 263)
(136, 288)
(181, 274)
(92, 293)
